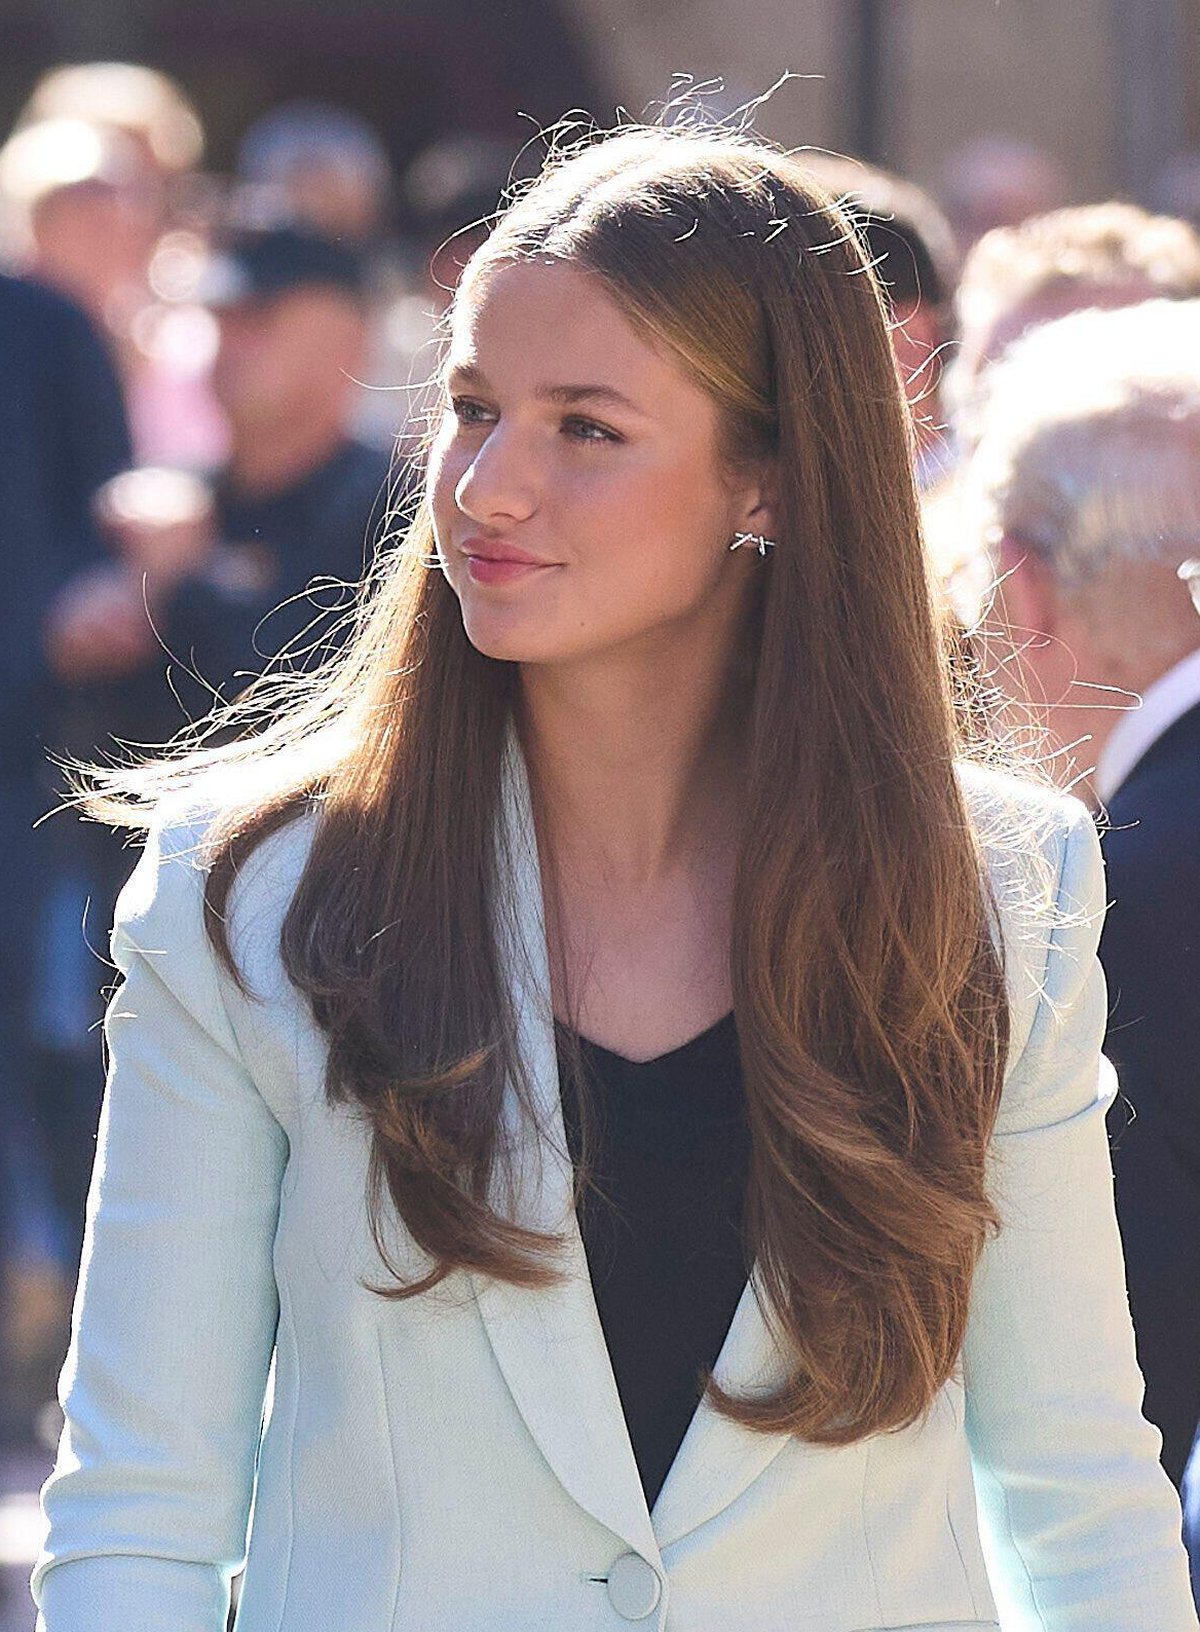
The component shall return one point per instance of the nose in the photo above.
(500, 483)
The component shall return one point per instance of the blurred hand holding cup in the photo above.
(161, 526)
(99, 627)
(161, 522)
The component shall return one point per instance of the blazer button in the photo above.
(633, 1587)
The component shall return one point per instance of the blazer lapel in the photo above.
(548, 1342)
(719, 1459)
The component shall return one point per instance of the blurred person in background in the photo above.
(293, 501)
(323, 165)
(62, 435)
(296, 497)
(998, 181)
(1086, 488)
(1101, 255)
(912, 247)
(326, 168)
(92, 189)
(85, 212)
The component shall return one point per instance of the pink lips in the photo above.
(497, 563)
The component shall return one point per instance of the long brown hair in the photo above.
(869, 995)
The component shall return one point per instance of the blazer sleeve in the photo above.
(174, 1323)
(1081, 1522)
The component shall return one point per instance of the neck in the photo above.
(1075, 739)
(637, 758)
(1119, 654)
(1095, 720)
(265, 459)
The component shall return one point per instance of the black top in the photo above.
(664, 1236)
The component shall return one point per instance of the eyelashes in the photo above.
(471, 413)
(465, 409)
(583, 429)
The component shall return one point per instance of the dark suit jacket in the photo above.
(62, 434)
(1151, 955)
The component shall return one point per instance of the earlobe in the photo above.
(754, 541)
(757, 541)
(762, 521)
(758, 520)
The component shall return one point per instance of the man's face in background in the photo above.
(281, 353)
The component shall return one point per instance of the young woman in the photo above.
(606, 1120)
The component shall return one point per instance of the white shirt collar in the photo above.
(1167, 700)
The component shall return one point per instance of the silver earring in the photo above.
(761, 544)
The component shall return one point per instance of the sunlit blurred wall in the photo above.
(951, 70)
(1063, 73)
(641, 44)
(1044, 70)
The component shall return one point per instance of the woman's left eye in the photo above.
(588, 430)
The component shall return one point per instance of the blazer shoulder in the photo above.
(999, 798)
(162, 910)
(1024, 829)
(1041, 854)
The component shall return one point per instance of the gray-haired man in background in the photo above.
(1085, 487)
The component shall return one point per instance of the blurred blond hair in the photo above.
(141, 101)
(1096, 245)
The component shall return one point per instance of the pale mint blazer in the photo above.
(459, 1462)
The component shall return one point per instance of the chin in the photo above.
(509, 639)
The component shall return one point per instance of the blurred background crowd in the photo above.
(219, 291)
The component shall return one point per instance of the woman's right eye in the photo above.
(470, 412)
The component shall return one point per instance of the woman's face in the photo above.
(578, 501)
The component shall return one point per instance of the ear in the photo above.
(758, 503)
(1028, 597)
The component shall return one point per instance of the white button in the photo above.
(633, 1587)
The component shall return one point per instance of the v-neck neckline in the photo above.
(710, 1033)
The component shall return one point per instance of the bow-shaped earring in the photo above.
(761, 544)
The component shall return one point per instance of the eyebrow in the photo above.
(567, 396)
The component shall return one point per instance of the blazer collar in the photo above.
(548, 1342)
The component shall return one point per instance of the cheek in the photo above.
(237, 352)
(663, 520)
(443, 472)
(660, 551)
(644, 508)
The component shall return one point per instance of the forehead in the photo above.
(551, 320)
